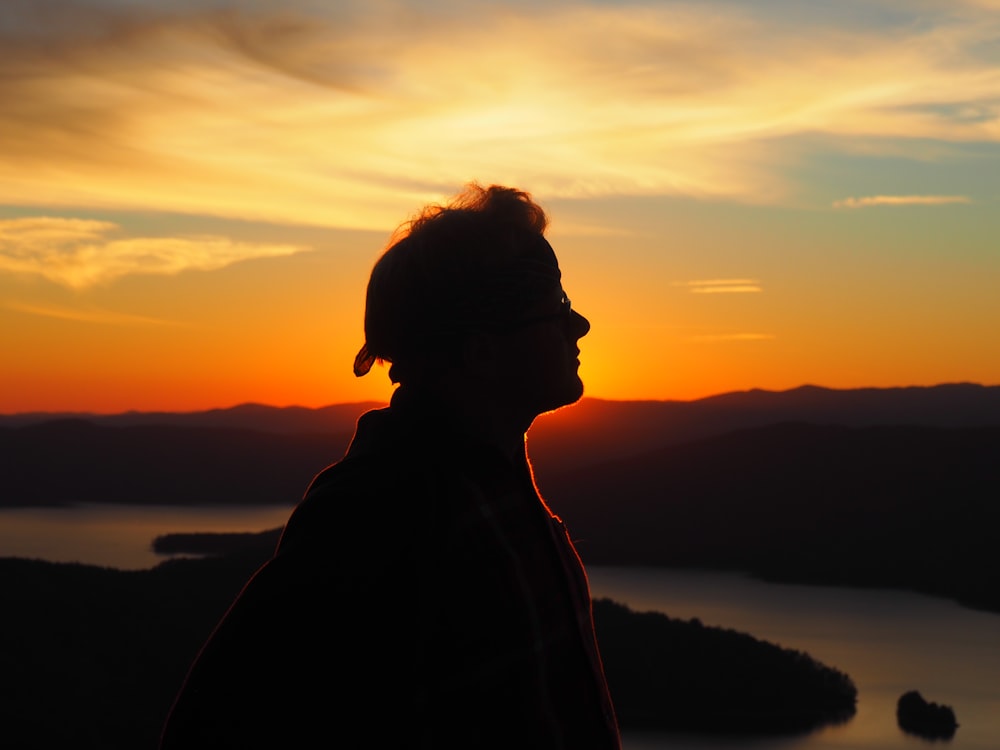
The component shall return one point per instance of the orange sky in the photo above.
(742, 194)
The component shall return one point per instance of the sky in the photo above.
(741, 194)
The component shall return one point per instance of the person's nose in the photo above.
(580, 325)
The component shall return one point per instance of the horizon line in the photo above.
(257, 404)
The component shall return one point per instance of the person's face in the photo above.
(540, 362)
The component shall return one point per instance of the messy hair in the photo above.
(441, 275)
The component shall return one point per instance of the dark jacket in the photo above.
(421, 596)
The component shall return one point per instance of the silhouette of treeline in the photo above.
(924, 718)
(213, 544)
(682, 674)
(93, 656)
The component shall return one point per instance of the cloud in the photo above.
(351, 113)
(734, 337)
(84, 315)
(79, 253)
(900, 200)
(723, 286)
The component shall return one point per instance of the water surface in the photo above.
(119, 536)
(887, 641)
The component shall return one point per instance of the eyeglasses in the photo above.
(565, 310)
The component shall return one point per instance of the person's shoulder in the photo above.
(363, 499)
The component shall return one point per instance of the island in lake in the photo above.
(924, 718)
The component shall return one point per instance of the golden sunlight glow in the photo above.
(250, 114)
(79, 253)
(715, 286)
(734, 337)
(900, 200)
(83, 315)
(731, 288)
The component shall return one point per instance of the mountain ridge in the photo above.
(254, 454)
(968, 401)
(898, 487)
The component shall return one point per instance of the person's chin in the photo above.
(572, 393)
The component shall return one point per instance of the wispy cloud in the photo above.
(734, 337)
(79, 253)
(900, 200)
(721, 286)
(85, 315)
(342, 113)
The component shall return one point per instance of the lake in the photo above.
(887, 641)
(119, 536)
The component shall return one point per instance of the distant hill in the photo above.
(254, 454)
(287, 420)
(897, 487)
(594, 431)
(946, 405)
(898, 506)
(74, 460)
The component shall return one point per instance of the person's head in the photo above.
(473, 286)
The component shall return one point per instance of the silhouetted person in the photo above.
(422, 594)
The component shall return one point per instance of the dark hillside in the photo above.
(94, 657)
(911, 507)
(595, 431)
(287, 420)
(257, 454)
(78, 461)
(895, 487)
